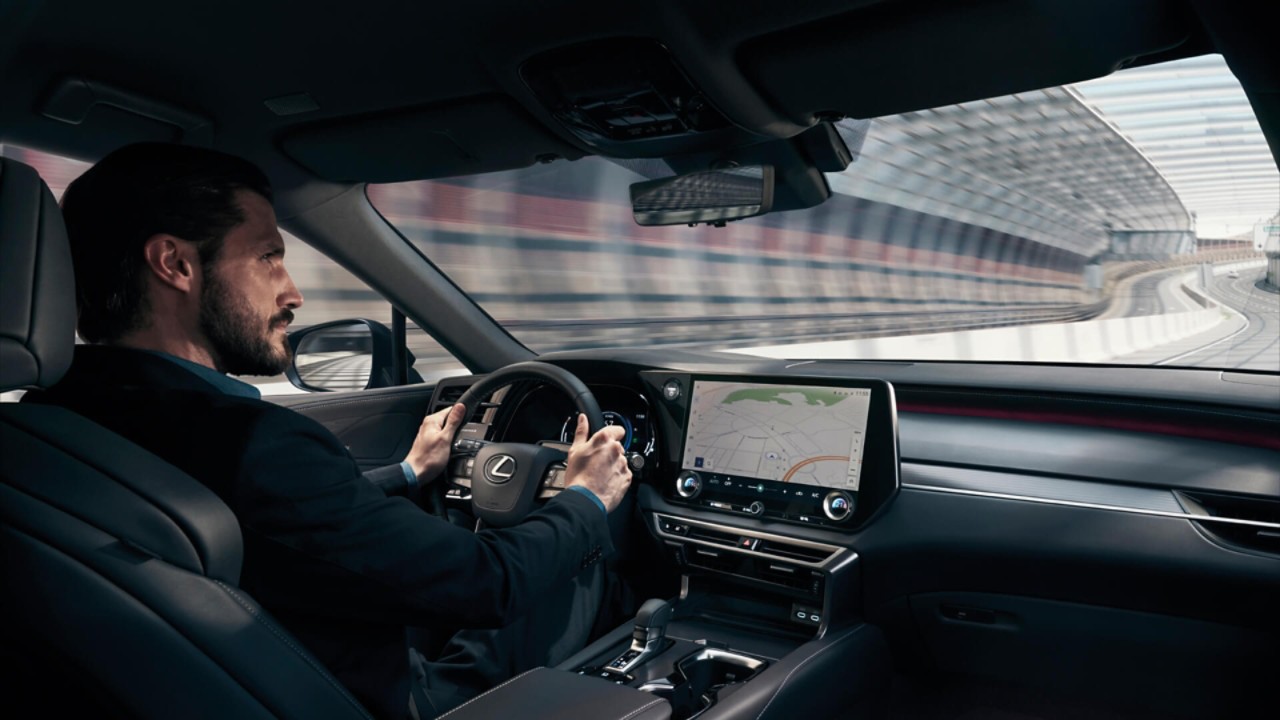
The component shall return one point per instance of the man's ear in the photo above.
(172, 261)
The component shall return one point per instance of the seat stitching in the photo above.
(526, 672)
(306, 657)
(804, 662)
(641, 709)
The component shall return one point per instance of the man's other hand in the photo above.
(430, 451)
(599, 464)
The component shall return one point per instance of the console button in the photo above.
(755, 508)
(688, 484)
(837, 505)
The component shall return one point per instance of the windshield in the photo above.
(1131, 219)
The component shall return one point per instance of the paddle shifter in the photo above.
(648, 637)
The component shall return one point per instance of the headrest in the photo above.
(37, 290)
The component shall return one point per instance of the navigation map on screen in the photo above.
(805, 434)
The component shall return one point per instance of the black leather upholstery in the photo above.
(37, 304)
(118, 571)
(845, 674)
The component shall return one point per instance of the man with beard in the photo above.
(180, 281)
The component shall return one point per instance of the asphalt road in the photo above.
(1253, 344)
(1249, 339)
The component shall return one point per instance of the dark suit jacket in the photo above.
(336, 561)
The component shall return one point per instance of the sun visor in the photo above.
(470, 136)
(906, 56)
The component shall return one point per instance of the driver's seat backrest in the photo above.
(119, 571)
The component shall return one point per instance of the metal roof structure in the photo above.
(1192, 119)
(1043, 165)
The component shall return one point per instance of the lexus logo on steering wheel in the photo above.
(500, 468)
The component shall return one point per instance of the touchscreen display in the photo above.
(802, 434)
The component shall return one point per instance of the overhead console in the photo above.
(629, 98)
(804, 451)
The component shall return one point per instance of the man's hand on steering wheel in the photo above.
(599, 463)
(430, 452)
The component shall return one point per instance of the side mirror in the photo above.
(710, 196)
(342, 355)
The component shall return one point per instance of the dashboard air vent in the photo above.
(449, 390)
(796, 552)
(1246, 521)
(713, 536)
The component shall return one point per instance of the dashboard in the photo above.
(1136, 482)
(797, 450)
(1113, 528)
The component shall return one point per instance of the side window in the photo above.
(329, 291)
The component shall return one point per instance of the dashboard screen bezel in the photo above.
(881, 458)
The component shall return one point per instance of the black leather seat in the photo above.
(119, 572)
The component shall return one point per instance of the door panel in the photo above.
(377, 426)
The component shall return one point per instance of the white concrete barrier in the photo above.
(1089, 341)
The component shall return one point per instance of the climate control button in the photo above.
(688, 485)
(837, 505)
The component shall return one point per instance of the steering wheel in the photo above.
(506, 477)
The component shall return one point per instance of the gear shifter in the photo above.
(648, 637)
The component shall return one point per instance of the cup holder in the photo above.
(700, 679)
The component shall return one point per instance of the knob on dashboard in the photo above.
(688, 484)
(837, 505)
(756, 508)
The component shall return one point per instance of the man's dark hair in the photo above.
(132, 194)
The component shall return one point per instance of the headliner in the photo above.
(416, 90)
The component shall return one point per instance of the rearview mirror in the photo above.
(710, 196)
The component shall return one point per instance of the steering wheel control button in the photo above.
(672, 390)
(755, 508)
(499, 469)
(689, 485)
(837, 505)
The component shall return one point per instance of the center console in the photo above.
(760, 486)
(763, 483)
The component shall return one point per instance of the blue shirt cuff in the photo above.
(588, 493)
(409, 475)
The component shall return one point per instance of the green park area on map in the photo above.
(812, 396)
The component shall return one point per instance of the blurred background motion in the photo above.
(1130, 219)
